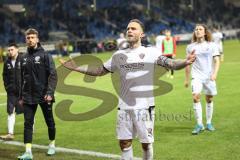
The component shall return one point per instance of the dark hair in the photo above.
(216, 27)
(31, 31)
(139, 22)
(162, 31)
(13, 45)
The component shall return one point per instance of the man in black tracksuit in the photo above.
(11, 79)
(39, 80)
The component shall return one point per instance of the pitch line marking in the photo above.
(68, 150)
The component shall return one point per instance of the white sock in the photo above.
(209, 112)
(148, 154)
(52, 144)
(28, 147)
(197, 107)
(127, 153)
(33, 125)
(11, 123)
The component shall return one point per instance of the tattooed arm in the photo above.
(176, 64)
(70, 64)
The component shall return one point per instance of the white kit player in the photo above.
(122, 42)
(204, 73)
(136, 102)
(217, 37)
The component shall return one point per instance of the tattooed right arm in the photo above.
(70, 64)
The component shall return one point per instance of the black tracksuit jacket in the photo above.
(11, 76)
(38, 76)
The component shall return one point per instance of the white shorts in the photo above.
(220, 48)
(135, 123)
(207, 86)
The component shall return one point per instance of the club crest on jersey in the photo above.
(37, 60)
(150, 133)
(142, 55)
(123, 58)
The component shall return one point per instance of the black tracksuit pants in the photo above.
(29, 113)
(172, 71)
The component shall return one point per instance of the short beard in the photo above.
(132, 42)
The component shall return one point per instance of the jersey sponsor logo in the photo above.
(132, 66)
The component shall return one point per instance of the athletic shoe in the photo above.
(171, 77)
(197, 129)
(26, 156)
(210, 127)
(8, 137)
(51, 151)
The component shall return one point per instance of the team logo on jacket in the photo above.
(24, 61)
(9, 66)
(37, 60)
(142, 55)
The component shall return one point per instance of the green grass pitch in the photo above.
(173, 139)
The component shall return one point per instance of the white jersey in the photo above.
(217, 39)
(205, 51)
(159, 40)
(136, 69)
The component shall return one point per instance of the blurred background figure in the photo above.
(218, 40)
(159, 39)
(238, 36)
(11, 78)
(169, 48)
(122, 41)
